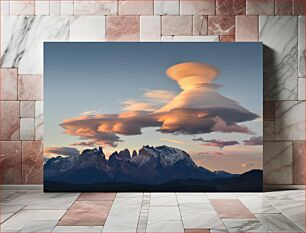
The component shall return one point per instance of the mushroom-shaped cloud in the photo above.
(190, 74)
(198, 108)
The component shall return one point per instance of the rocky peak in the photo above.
(134, 154)
(125, 154)
(93, 152)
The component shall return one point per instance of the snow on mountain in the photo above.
(152, 165)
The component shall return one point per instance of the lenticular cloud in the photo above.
(198, 108)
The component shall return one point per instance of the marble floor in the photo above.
(34, 211)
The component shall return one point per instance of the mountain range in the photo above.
(160, 168)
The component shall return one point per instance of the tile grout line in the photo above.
(145, 198)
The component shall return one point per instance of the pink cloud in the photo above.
(198, 108)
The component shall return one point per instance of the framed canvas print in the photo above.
(153, 117)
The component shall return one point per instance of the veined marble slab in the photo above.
(279, 35)
(290, 120)
(23, 217)
(9, 210)
(39, 120)
(301, 46)
(278, 162)
(39, 226)
(22, 40)
(294, 210)
(277, 223)
(242, 225)
(165, 226)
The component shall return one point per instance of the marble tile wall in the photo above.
(26, 24)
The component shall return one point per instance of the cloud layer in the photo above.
(198, 108)
(254, 141)
(65, 151)
(216, 143)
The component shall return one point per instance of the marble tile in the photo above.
(166, 7)
(122, 218)
(163, 194)
(200, 25)
(301, 47)
(298, 7)
(44, 201)
(231, 209)
(260, 7)
(22, 40)
(9, 120)
(277, 223)
(27, 109)
(74, 229)
(122, 28)
(87, 28)
(203, 7)
(279, 35)
(23, 217)
(283, 7)
(191, 199)
(97, 197)
(164, 213)
(39, 120)
(55, 8)
(294, 210)
(238, 225)
(298, 162)
(290, 120)
(190, 38)
(6, 194)
(5, 7)
(227, 38)
(32, 162)
(9, 210)
(8, 87)
(30, 87)
(129, 196)
(221, 25)
(258, 205)
(247, 194)
(301, 88)
(150, 28)
(293, 195)
(220, 196)
(135, 7)
(246, 28)
(230, 7)
(165, 226)
(22, 7)
(42, 7)
(164, 200)
(67, 7)
(277, 162)
(268, 130)
(269, 110)
(107, 7)
(39, 226)
(6, 198)
(205, 217)
(176, 25)
(27, 129)
(86, 213)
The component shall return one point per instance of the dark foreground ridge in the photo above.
(152, 169)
